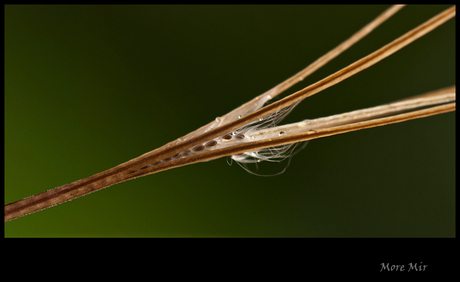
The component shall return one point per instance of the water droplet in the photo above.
(282, 133)
(217, 119)
(261, 119)
(198, 148)
(227, 137)
(210, 143)
(240, 116)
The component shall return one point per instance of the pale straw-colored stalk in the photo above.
(440, 102)
(439, 97)
(435, 102)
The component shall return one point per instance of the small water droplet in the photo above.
(261, 119)
(227, 137)
(240, 116)
(282, 133)
(217, 119)
(210, 143)
(198, 148)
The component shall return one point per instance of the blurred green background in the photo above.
(90, 87)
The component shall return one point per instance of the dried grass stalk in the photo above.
(140, 166)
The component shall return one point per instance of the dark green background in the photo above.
(89, 87)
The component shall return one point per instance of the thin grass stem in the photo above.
(143, 165)
(438, 102)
